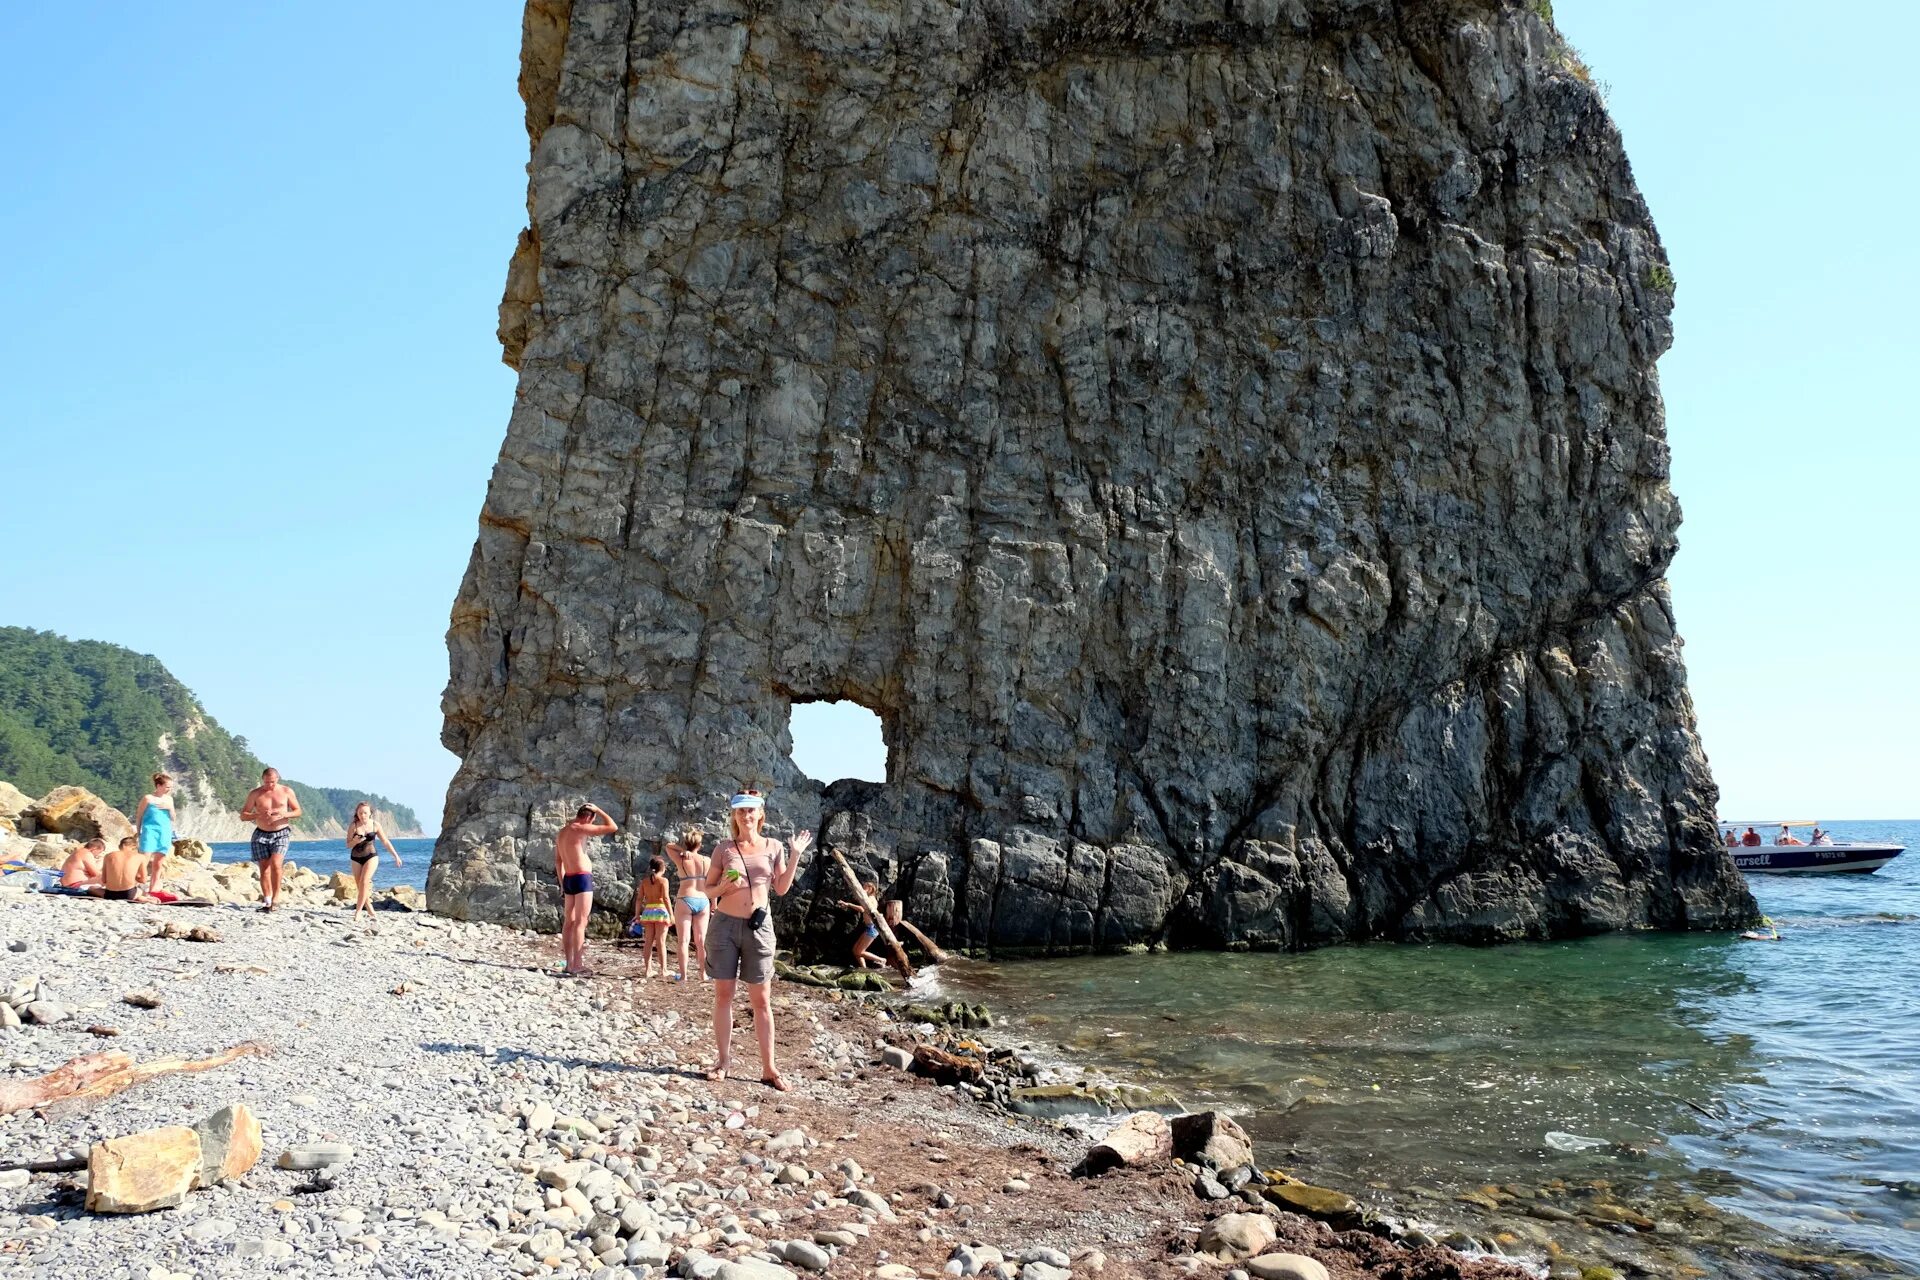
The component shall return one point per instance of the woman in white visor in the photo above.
(746, 871)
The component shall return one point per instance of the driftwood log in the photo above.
(100, 1075)
(934, 953)
(874, 914)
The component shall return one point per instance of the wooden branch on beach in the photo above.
(933, 953)
(100, 1075)
(873, 913)
(71, 1164)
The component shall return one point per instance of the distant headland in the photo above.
(89, 714)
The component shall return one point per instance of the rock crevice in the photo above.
(1221, 441)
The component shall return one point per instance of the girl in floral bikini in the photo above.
(653, 914)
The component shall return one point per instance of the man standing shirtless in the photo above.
(574, 869)
(271, 807)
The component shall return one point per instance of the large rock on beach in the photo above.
(1211, 1140)
(1234, 1236)
(229, 1144)
(13, 801)
(190, 850)
(78, 814)
(1141, 1138)
(143, 1171)
(1220, 441)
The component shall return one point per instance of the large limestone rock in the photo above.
(190, 850)
(13, 801)
(229, 1144)
(1222, 442)
(143, 1171)
(78, 814)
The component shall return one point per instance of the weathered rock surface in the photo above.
(1141, 1138)
(229, 1144)
(78, 814)
(13, 801)
(1221, 441)
(143, 1171)
(1236, 1235)
(1211, 1140)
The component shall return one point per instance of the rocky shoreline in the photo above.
(500, 1121)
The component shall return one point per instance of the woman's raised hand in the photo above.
(801, 839)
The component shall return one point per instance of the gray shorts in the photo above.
(736, 951)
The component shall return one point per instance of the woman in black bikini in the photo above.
(364, 837)
(742, 878)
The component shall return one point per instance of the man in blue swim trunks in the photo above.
(574, 869)
(271, 807)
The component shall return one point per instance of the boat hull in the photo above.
(1814, 859)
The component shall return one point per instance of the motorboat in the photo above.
(1784, 854)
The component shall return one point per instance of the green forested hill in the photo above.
(84, 713)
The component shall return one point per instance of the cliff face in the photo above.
(1221, 440)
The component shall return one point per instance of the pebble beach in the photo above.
(497, 1120)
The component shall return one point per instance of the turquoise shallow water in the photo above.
(1778, 1084)
(329, 856)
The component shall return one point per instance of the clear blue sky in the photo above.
(250, 393)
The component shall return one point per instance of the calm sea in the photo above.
(1779, 1083)
(328, 856)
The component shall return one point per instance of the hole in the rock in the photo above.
(833, 741)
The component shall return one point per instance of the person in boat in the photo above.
(1786, 836)
(1820, 837)
(1733, 838)
(1751, 839)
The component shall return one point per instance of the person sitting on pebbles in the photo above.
(746, 872)
(80, 873)
(122, 873)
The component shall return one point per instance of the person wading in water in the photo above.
(745, 873)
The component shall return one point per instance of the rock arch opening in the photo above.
(837, 741)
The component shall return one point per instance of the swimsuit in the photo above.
(582, 883)
(872, 932)
(655, 911)
(363, 850)
(156, 830)
(119, 895)
(268, 845)
(696, 902)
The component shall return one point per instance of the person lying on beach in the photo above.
(364, 838)
(653, 914)
(80, 873)
(690, 908)
(120, 875)
(574, 869)
(154, 822)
